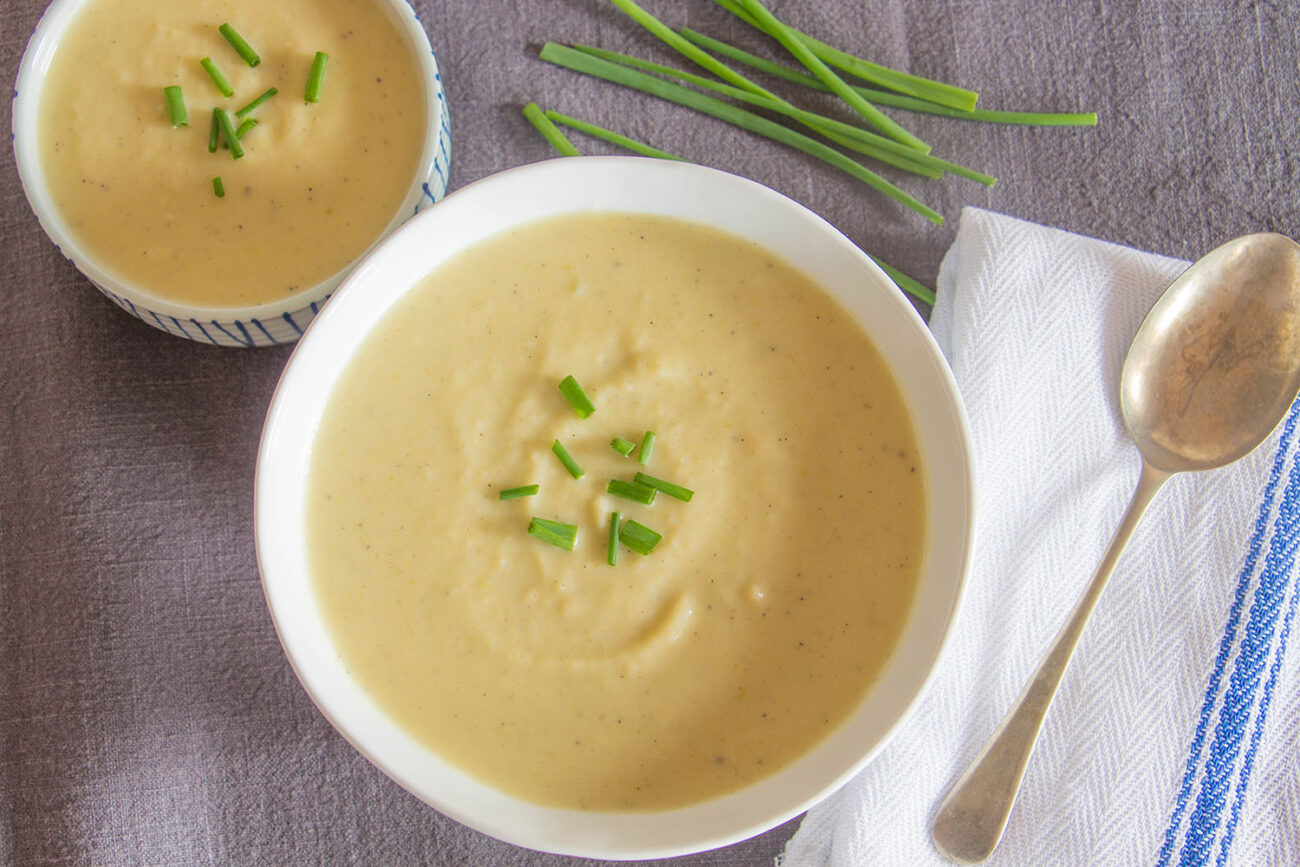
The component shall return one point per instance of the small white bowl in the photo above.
(621, 184)
(263, 325)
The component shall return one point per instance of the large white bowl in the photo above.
(263, 325)
(626, 184)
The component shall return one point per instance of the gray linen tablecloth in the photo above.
(147, 713)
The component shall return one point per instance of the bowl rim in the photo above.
(25, 129)
(285, 449)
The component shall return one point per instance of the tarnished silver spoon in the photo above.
(1211, 372)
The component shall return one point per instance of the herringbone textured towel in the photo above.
(1175, 738)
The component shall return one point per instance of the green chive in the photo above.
(217, 77)
(521, 491)
(615, 518)
(247, 124)
(312, 94)
(612, 137)
(228, 133)
(176, 106)
(638, 537)
(579, 62)
(565, 458)
(634, 491)
(554, 532)
(622, 446)
(647, 448)
(262, 97)
(668, 488)
(549, 131)
(576, 397)
(910, 285)
(214, 133)
(218, 187)
(241, 46)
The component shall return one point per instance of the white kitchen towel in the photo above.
(1175, 737)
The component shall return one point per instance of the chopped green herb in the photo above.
(550, 131)
(261, 98)
(576, 397)
(638, 537)
(612, 137)
(665, 487)
(247, 124)
(622, 446)
(176, 105)
(521, 491)
(228, 133)
(241, 46)
(214, 133)
(554, 532)
(312, 93)
(634, 491)
(218, 188)
(615, 518)
(647, 448)
(565, 458)
(218, 78)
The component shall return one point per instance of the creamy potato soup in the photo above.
(748, 634)
(316, 187)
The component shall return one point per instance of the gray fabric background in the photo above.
(147, 713)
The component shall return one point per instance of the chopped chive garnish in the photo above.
(638, 537)
(634, 491)
(219, 187)
(615, 518)
(241, 46)
(247, 124)
(612, 137)
(550, 131)
(176, 105)
(622, 446)
(218, 78)
(554, 532)
(228, 133)
(647, 448)
(665, 487)
(262, 97)
(521, 491)
(567, 459)
(312, 94)
(576, 397)
(214, 133)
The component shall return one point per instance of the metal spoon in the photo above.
(1211, 372)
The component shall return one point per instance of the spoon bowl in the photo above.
(1211, 372)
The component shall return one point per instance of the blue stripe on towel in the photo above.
(1204, 822)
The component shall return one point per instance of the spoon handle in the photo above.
(970, 820)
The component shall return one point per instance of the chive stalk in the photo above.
(638, 537)
(612, 137)
(647, 448)
(555, 533)
(218, 78)
(550, 131)
(615, 518)
(228, 133)
(634, 491)
(218, 187)
(664, 487)
(247, 124)
(316, 77)
(579, 62)
(622, 446)
(214, 133)
(567, 459)
(576, 397)
(777, 29)
(894, 100)
(521, 491)
(261, 98)
(910, 285)
(175, 100)
(241, 46)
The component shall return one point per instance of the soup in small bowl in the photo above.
(124, 116)
(598, 509)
